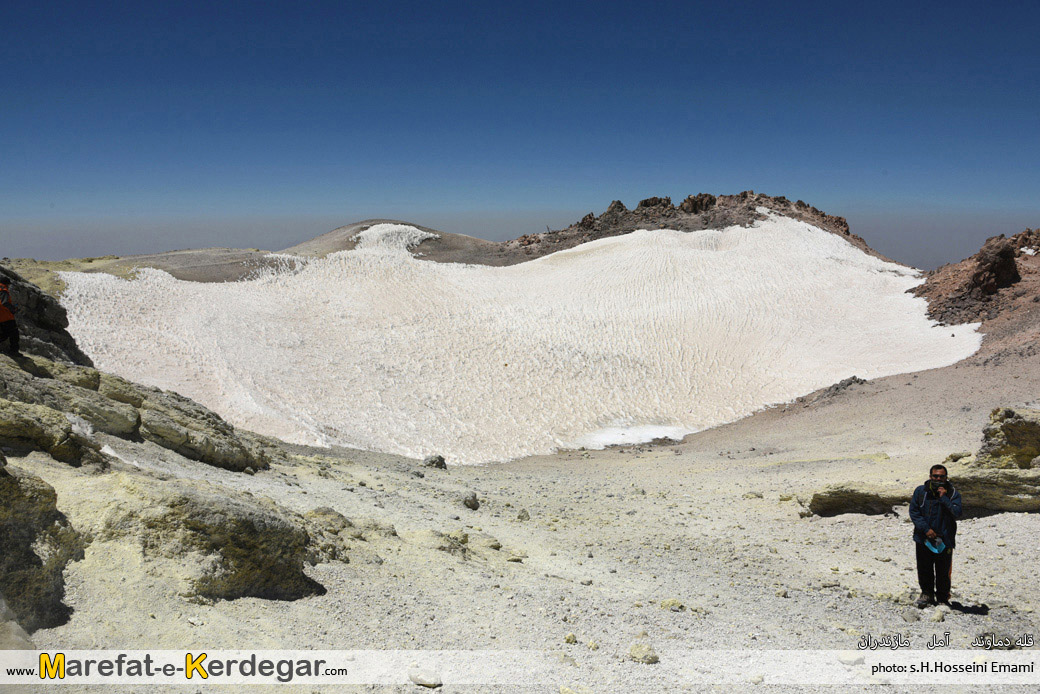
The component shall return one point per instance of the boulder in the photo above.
(852, 498)
(455, 542)
(469, 500)
(424, 677)
(328, 530)
(182, 425)
(328, 520)
(643, 652)
(1011, 440)
(1005, 474)
(995, 267)
(120, 390)
(36, 543)
(435, 461)
(996, 491)
(1003, 477)
(655, 203)
(483, 540)
(39, 427)
(695, 204)
(982, 491)
(372, 529)
(232, 546)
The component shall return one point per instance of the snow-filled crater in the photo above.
(625, 338)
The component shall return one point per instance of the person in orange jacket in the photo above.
(8, 326)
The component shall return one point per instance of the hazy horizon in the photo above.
(265, 124)
(921, 239)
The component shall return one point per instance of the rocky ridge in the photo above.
(983, 285)
(998, 287)
(695, 213)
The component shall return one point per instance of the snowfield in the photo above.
(647, 334)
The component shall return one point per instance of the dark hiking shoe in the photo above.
(924, 600)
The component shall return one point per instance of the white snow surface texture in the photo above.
(649, 333)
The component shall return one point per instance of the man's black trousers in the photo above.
(934, 571)
(9, 331)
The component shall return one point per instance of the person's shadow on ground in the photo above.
(969, 609)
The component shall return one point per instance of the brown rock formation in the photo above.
(973, 289)
(695, 204)
(995, 267)
(696, 212)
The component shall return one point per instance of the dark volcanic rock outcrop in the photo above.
(694, 213)
(36, 542)
(1000, 279)
(656, 204)
(42, 321)
(995, 268)
(695, 204)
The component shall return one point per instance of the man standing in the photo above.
(8, 327)
(934, 509)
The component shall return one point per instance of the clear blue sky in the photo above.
(145, 126)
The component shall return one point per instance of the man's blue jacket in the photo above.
(928, 510)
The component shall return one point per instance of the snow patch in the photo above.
(371, 348)
(391, 237)
(79, 425)
(108, 450)
(611, 436)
